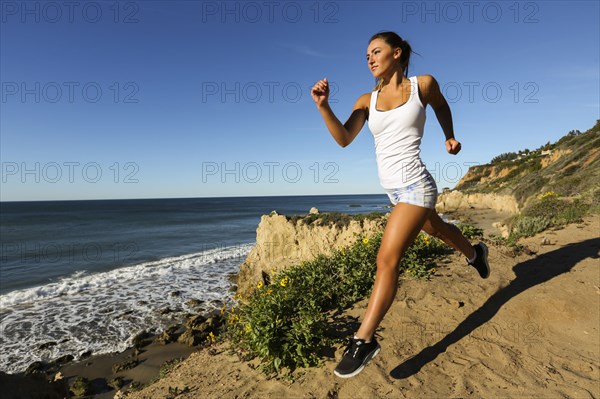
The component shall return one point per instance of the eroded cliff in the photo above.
(283, 241)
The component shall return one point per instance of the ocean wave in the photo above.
(79, 281)
(101, 312)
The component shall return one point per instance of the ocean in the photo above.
(81, 276)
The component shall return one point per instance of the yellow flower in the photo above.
(211, 337)
(366, 240)
(269, 291)
(248, 328)
(260, 284)
(433, 270)
(223, 309)
(283, 282)
(548, 194)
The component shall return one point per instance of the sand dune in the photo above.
(530, 330)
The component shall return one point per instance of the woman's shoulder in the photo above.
(365, 99)
(425, 80)
(428, 87)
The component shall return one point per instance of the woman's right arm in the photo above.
(346, 133)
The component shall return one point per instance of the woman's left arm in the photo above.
(433, 96)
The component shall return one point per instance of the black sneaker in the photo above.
(356, 356)
(481, 261)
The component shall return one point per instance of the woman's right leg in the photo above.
(403, 225)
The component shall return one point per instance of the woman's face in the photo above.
(381, 59)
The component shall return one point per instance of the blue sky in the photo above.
(161, 99)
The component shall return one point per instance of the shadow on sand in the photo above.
(528, 274)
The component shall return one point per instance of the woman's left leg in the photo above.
(449, 233)
(403, 226)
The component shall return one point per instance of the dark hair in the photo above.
(394, 41)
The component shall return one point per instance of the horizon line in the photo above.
(166, 198)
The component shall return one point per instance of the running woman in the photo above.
(395, 112)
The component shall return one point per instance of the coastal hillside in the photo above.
(570, 167)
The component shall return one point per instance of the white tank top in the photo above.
(397, 133)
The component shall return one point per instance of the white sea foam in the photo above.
(102, 312)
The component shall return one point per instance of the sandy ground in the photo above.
(482, 218)
(530, 330)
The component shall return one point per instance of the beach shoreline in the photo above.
(139, 365)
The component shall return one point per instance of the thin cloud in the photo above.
(305, 50)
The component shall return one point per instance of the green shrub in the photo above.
(549, 210)
(593, 198)
(534, 165)
(547, 205)
(526, 226)
(572, 212)
(470, 231)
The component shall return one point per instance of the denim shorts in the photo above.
(422, 193)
